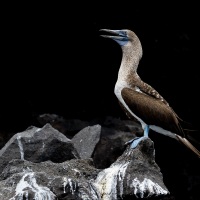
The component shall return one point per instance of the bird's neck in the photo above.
(129, 65)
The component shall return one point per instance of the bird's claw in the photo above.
(135, 141)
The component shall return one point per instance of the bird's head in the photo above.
(125, 38)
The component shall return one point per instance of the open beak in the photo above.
(116, 34)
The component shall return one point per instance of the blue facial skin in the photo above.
(122, 40)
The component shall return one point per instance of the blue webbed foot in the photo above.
(134, 142)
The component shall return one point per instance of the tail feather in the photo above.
(188, 144)
(193, 135)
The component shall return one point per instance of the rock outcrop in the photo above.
(42, 163)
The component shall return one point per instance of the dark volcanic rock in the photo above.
(47, 180)
(67, 127)
(38, 145)
(72, 126)
(113, 143)
(134, 174)
(85, 141)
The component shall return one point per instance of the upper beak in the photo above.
(117, 34)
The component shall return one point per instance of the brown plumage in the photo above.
(138, 99)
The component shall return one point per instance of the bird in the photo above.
(138, 99)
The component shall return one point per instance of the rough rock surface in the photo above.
(38, 145)
(85, 141)
(133, 175)
(47, 180)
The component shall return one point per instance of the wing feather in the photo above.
(151, 110)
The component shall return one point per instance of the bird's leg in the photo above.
(134, 142)
(146, 131)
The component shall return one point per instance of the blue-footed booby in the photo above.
(138, 99)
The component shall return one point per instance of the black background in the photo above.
(53, 60)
